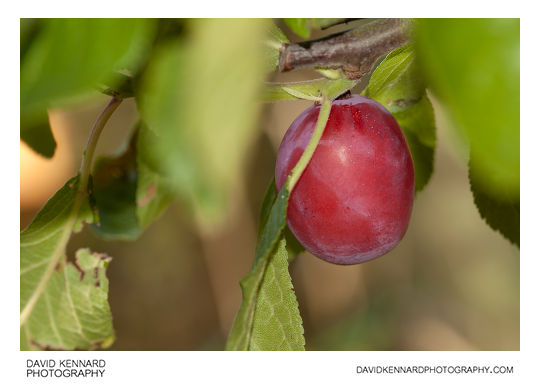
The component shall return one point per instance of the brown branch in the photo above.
(354, 51)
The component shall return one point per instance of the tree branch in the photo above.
(353, 51)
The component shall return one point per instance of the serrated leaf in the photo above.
(239, 337)
(397, 84)
(277, 325)
(73, 311)
(68, 58)
(299, 26)
(200, 101)
(274, 321)
(473, 66)
(499, 210)
(42, 253)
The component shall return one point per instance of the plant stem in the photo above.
(88, 154)
(299, 168)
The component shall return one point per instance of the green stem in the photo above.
(299, 168)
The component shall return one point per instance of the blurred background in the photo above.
(451, 284)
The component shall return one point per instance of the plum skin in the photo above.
(354, 200)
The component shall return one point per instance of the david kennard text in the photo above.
(65, 368)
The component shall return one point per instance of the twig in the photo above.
(353, 51)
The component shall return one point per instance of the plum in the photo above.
(354, 200)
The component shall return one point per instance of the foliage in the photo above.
(68, 59)
(198, 86)
(473, 66)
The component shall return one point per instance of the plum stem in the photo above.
(324, 113)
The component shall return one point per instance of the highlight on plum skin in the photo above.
(354, 200)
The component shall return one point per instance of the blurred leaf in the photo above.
(275, 39)
(472, 65)
(154, 192)
(299, 26)
(325, 23)
(270, 309)
(74, 311)
(129, 194)
(277, 324)
(307, 90)
(418, 125)
(120, 85)
(371, 327)
(239, 338)
(30, 28)
(302, 27)
(69, 57)
(396, 84)
(37, 134)
(199, 98)
(115, 191)
(499, 210)
(47, 286)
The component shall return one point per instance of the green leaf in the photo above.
(418, 125)
(154, 191)
(200, 101)
(274, 225)
(68, 58)
(294, 248)
(115, 192)
(397, 84)
(48, 289)
(472, 65)
(310, 90)
(307, 90)
(37, 134)
(275, 39)
(239, 337)
(499, 210)
(274, 322)
(299, 26)
(325, 23)
(277, 325)
(266, 208)
(129, 194)
(73, 311)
